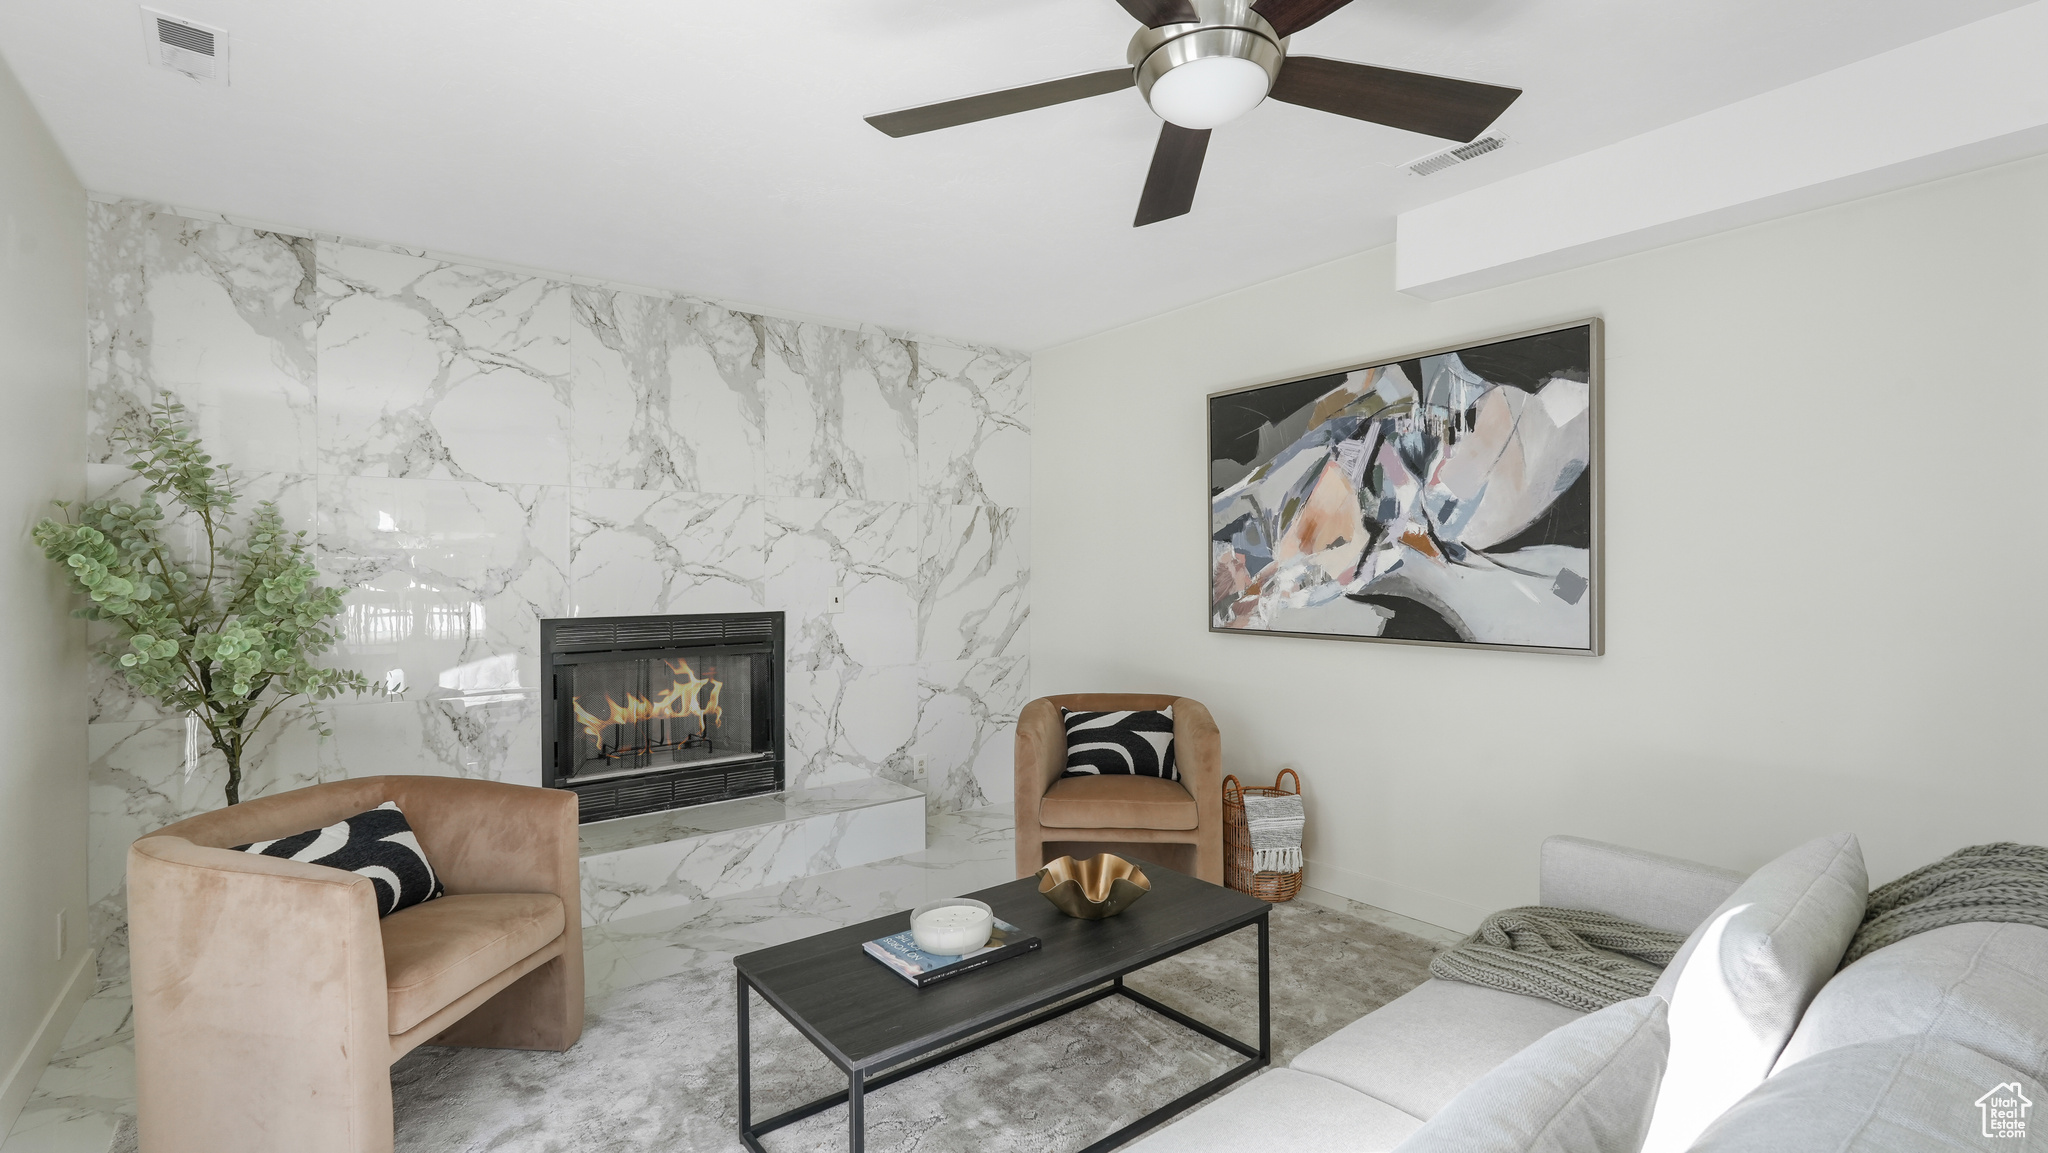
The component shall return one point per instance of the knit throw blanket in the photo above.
(1276, 832)
(2001, 882)
(1583, 960)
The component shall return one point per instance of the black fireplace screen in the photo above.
(640, 721)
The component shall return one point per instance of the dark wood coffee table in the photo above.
(880, 1029)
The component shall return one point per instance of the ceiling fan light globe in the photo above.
(1209, 92)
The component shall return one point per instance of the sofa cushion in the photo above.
(1586, 1087)
(1982, 985)
(1421, 1049)
(1905, 1095)
(1286, 1112)
(1117, 801)
(1738, 986)
(436, 952)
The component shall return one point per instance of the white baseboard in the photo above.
(28, 1067)
(1421, 904)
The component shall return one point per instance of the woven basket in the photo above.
(1237, 841)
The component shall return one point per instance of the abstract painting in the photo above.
(1449, 498)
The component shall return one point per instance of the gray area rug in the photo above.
(655, 1068)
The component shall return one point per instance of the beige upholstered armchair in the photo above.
(1179, 825)
(270, 1001)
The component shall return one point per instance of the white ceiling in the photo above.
(719, 148)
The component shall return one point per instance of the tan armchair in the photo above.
(1179, 825)
(270, 1001)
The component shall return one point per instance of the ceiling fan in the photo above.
(1204, 63)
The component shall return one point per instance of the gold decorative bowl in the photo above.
(1101, 886)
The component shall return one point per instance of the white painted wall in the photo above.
(42, 662)
(1825, 556)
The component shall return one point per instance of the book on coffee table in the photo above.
(900, 953)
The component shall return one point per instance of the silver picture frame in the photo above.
(1594, 474)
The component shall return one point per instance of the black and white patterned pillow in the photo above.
(1135, 743)
(378, 844)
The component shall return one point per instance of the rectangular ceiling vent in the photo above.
(186, 47)
(1452, 157)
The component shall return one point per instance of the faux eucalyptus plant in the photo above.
(226, 633)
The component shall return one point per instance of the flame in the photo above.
(693, 696)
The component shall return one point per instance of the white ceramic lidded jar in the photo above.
(951, 927)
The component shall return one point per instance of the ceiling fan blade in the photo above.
(1290, 16)
(1176, 167)
(1432, 105)
(989, 105)
(1159, 13)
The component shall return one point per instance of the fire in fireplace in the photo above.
(652, 713)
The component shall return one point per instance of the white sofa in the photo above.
(1373, 1083)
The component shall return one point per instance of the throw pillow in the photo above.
(1740, 983)
(1586, 1087)
(1903, 1095)
(1134, 743)
(378, 844)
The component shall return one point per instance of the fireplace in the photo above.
(652, 713)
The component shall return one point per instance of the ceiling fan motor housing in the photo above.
(1205, 90)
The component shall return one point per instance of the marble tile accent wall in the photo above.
(474, 449)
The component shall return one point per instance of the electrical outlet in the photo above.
(63, 943)
(837, 603)
(920, 768)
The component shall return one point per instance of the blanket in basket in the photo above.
(1275, 827)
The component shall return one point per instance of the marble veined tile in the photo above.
(437, 370)
(645, 878)
(973, 578)
(680, 407)
(487, 733)
(973, 426)
(842, 413)
(623, 833)
(447, 580)
(967, 731)
(963, 852)
(635, 552)
(866, 549)
(844, 722)
(219, 315)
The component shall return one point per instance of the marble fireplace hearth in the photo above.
(663, 861)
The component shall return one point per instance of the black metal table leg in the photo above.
(856, 1092)
(1265, 995)
(746, 1104)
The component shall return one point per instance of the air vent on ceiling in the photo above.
(183, 46)
(1451, 157)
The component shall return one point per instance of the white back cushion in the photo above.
(1983, 985)
(1743, 978)
(1586, 1087)
(1905, 1095)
